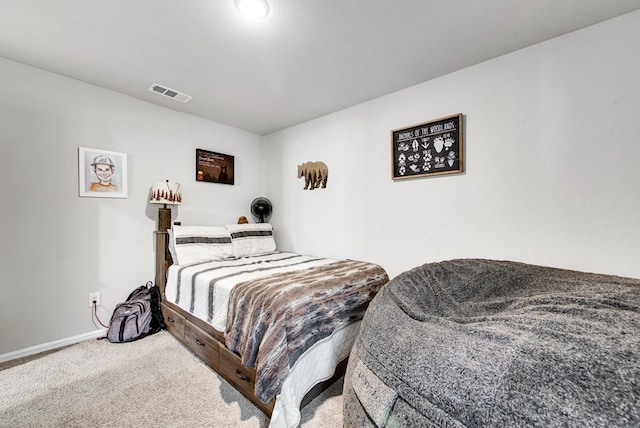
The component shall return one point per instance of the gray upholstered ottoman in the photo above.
(497, 344)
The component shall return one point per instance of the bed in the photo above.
(474, 343)
(276, 325)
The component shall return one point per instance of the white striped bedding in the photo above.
(213, 282)
(203, 288)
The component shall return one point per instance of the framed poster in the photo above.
(214, 167)
(430, 148)
(102, 173)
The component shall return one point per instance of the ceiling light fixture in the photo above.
(253, 9)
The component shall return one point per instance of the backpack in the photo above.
(139, 316)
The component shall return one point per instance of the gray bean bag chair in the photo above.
(482, 343)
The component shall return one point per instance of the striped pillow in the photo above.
(193, 244)
(252, 239)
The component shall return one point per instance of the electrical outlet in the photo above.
(94, 297)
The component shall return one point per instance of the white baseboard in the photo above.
(21, 353)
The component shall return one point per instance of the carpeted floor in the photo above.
(153, 382)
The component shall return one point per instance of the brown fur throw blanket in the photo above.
(481, 343)
(273, 320)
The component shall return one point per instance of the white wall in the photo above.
(55, 247)
(552, 175)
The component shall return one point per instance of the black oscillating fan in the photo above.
(261, 209)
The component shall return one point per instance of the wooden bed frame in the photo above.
(208, 344)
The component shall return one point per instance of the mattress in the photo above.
(203, 289)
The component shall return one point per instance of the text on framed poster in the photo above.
(431, 148)
(214, 167)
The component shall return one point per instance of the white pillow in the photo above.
(252, 239)
(193, 244)
(172, 247)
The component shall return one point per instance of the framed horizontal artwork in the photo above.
(102, 173)
(214, 167)
(430, 148)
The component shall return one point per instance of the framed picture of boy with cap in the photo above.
(102, 173)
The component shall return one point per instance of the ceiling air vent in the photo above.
(169, 93)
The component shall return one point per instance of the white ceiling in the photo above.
(307, 59)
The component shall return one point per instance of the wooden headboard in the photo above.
(163, 259)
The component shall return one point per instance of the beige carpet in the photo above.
(154, 382)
